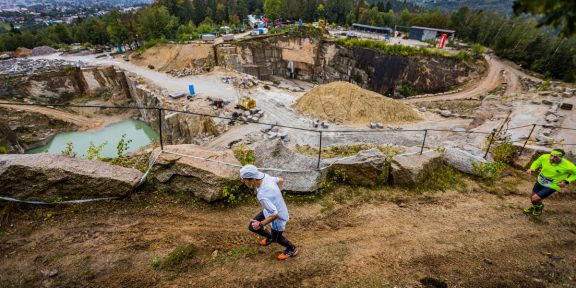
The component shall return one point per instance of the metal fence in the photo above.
(491, 135)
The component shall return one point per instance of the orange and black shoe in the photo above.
(265, 242)
(288, 254)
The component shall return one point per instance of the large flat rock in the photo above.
(461, 160)
(410, 170)
(204, 179)
(47, 177)
(367, 168)
(300, 176)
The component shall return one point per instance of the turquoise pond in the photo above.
(139, 132)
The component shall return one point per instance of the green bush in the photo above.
(244, 155)
(121, 149)
(504, 152)
(463, 56)
(94, 151)
(489, 172)
(478, 50)
(546, 85)
(4, 149)
(69, 150)
(407, 90)
(235, 193)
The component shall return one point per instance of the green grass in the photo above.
(442, 179)
(346, 150)
(179, 259)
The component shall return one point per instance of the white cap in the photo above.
(251, 172)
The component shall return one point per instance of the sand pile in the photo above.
(21, 52)
(165, 57)
(343, 102)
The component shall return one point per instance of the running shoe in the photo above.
(287, 254)
(528, 210)
(538, 210)
(265, 242)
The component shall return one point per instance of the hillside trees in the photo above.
(273, 8)
(156, 22)
(557, 13)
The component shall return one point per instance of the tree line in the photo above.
(516, 38)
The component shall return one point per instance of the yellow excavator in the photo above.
(244, 102)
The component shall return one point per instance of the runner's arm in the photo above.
(271, 209)
(572, 176)
(537, 163)
(280, 182)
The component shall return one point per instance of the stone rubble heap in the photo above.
(32, 66)
(246, 81)
(555, 89)
(43, 50)
(179, 73)
(252, 115)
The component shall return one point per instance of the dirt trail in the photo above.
(491, 81)
(373, 239)
(80, 121)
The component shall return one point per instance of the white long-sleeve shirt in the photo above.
(270, 197)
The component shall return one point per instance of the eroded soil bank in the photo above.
(473, 237)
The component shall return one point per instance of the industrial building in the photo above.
(373, 29)
(426, 33)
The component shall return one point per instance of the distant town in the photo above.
(26, 13)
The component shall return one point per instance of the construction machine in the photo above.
(245, 102)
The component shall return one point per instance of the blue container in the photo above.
(191, 89)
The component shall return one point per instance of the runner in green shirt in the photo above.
(555, 174)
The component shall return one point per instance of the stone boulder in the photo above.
(462, 160)
(204, 179)
(410, 170)
(304, 176)
(367, 168)
(45, 177)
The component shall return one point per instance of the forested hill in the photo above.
(503, 7)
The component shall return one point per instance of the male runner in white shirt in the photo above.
(275, 211)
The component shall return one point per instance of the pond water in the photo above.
(139, 132)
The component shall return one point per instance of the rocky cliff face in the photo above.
(392, 75)
(22, 130)
(323, 62)
(64, 83)
(177, 128)
(9, 140)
